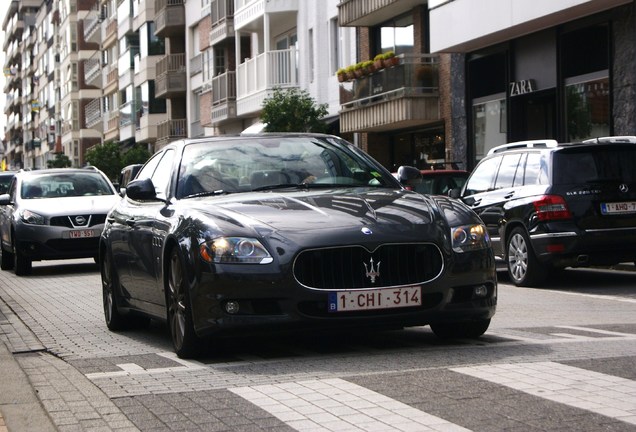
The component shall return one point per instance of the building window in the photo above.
(489, 124)
(334, 30)
(587, 107)
(396, 35)
(311, 55)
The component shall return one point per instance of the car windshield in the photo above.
(64, 185)
(267, 163)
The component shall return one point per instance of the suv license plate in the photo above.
(80, 233)
(618, 207)
(384, 298)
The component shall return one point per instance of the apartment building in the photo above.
(401, 114)
(148, 72)
(540, 69)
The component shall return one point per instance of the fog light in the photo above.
(480, 291)
(232, 307)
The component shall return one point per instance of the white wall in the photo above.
(465, 25)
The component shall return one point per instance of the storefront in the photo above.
(554, 84)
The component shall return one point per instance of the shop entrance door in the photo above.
(533, 116)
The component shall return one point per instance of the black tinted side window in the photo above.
(536, 172)
(507, 171)
(483, 178)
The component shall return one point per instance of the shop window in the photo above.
(587, 107)
(489, 124)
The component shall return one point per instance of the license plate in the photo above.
(80, 233)
(382, 298)
(618, 207)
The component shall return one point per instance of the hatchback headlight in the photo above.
(29, 217)
(468, 238)
(235, 250)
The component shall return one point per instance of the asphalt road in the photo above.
(562, 357)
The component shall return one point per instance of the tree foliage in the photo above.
(109, 158)
(60, 161)
(293, 110)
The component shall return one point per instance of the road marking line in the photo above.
(339, 405)
(594, 296)
(600, 393)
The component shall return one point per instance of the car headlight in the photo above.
(31, 218)
(468, 238)
(235, 250)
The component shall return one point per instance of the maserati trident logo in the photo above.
(623, 188)
(372, 273)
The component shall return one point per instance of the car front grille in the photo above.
(354, 267)
(84, 221)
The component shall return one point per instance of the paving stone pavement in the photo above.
(85, 378)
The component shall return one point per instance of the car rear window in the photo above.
(609, 164)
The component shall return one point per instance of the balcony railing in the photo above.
(196, 64)
(171, 130)
(368, 13)
(129, 113)
(402, 95)
(91, 26)
(93, 113)
(266, 71)
(92, 70)
(171, 77)
(224, 88)
(169, 17)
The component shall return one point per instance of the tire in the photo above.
(179, 312)
(21, 264)
(115, 320)
(524, 268)
(6, 260)
(460, 330)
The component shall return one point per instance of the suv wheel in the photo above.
(6, 260)
(523, 266)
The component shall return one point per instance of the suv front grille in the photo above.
(72, 221)
(350, 267)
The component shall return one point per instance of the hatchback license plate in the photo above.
(80, 233)
(618, 207)
(384, 298)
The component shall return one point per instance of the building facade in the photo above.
(544, 69)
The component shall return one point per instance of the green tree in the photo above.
(60, 161)
(137, 154)
(106, 157)
(293, 110)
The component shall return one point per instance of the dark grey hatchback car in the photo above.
(549, 206)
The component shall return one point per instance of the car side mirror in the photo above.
(409, 176)
(455, 193)
(5, 199)
(141, 190)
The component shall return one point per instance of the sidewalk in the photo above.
(20, 408)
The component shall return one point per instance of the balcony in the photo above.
(222, 17)
(93, 70)
(223, 98)
(92, 29)
(111, 125)
(256, 77)
(171, 130)
(93, 114)
(249, 11)
(110, 78)
(401, 96)
(171, 80)
(169, 17)
(369, 13)
(109, 32)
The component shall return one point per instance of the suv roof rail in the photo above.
(612, 139)
(524, 144)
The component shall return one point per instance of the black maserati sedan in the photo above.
(245, 234)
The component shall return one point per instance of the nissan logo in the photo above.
(80, 220)
(623, 188)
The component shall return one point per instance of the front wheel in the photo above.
(460, 330)
(21, 264)
(185, 341)
(6, 260)
(115, 320)
(523, 266)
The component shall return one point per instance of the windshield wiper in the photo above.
(208, 193)
(280, 186)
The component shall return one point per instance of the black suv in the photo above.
(549, 206)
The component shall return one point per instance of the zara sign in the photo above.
(522, 87)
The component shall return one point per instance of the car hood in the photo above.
(70, 205)
(397, 213)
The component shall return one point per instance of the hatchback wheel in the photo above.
(110, 287)
(523, 266)
(186, 342)
(460, 330)
(21, 264)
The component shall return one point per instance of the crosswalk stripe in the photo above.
(603, 394)
(339, 405)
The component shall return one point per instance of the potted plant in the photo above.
(368, 66)
(390, 59)
(349, 72)
(358, 70)
(341, 74)
(378, 61)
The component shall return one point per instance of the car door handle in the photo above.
(509, 195)
(130, 222)
(110, 220)
(476, 203)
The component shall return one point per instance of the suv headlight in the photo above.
(29, 217)
(468, 238)
(235, 250)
